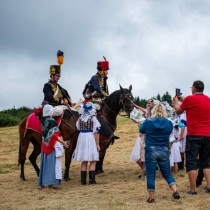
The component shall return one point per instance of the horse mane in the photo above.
(69, 113)
(112, 98)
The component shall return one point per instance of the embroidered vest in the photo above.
(86, 125)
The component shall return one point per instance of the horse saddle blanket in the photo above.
(33, 123)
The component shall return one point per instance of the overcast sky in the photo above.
(156, 46)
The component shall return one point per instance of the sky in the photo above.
(155, 46)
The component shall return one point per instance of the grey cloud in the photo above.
(153, 45)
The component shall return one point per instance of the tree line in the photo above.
(143, 102)
(12, 117)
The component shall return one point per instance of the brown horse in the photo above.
(120, 99)
(69, 132)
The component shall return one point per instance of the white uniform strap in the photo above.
(56, 92)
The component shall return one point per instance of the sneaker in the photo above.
(192, 193)
(149, 200)
(207, 190)
(176, 195)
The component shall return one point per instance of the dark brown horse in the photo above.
(120, 99)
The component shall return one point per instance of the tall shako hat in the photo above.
(103, 65)
(56, 69)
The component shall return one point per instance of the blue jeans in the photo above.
(157, 155)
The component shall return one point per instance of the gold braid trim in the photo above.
(54, 89)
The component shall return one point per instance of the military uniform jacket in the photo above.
(54, 93)
(97, 86)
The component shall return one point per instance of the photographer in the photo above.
(198, 133)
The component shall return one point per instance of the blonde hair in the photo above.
(159, 111)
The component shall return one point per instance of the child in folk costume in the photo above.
(51, 151)
(87, 149)
(138, 149)
(182, 137)
(175, 156)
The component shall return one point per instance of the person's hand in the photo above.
(65, 144)
(65, 101)
(181, 137)
(98, 148)
(175, 101)
(181, 98)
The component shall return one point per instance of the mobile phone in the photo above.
(177, 92)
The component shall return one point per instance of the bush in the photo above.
(12, 117)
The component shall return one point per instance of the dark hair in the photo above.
(199, 86)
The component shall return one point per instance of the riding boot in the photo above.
(83, 177)
(92, 177)
(200, 175)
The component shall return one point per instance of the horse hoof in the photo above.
(67, 179)
(99, 172)
(23, 178)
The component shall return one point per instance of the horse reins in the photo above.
(114, 127)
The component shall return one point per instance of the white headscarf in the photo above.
(86, 111)
(47, 110)
(164, 103)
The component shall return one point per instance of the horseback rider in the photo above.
(54, 94)
(96, 90)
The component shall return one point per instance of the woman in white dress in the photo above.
(87, 149)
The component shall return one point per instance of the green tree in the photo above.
(158, 97)
(137, 100)
(167, 97)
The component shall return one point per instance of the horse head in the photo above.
(126, 100)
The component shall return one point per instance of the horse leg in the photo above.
(23, 147)
(68, 156)
(35, 153)
(99, 164)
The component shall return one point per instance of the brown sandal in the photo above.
(149, 200)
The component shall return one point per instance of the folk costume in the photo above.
(138, 149)
(86, 148)
(51, 150)
(53, 92)
(97, 88)
(175, 156)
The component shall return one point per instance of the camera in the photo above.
(178, 92)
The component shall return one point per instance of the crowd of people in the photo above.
(169, 137)
(187, 135)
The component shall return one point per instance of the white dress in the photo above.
(182, 119)
(86, 149)
(175, 156)
(135, 156)
(138, 149)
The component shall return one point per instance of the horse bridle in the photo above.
(121, 103)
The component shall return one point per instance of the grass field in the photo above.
(117, 188)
